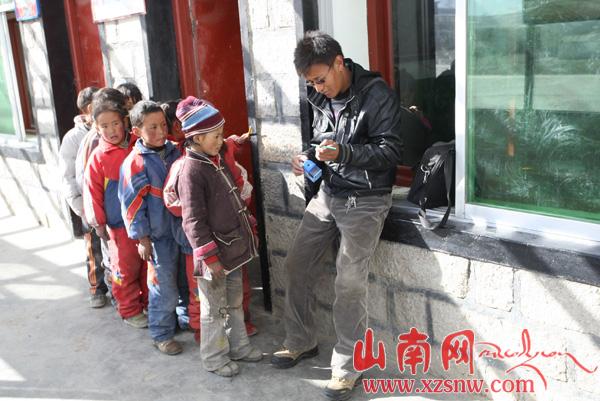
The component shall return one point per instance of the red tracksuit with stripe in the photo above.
(102, 207)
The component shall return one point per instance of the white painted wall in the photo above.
(346, 21)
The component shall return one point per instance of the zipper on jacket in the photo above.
(368, 180)
(335, 125)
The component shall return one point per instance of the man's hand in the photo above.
(101, 232)
(145, 249)
(216, 270)
(297, 163)
(327, 150)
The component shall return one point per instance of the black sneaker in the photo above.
(286, 358)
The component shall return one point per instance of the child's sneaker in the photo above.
(139, 321)
(229, 370)
(97, 301)
(251, 329)
(169, 347)
(254, 355)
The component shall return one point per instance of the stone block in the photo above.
(111, 33)
(287, 86)
(265, 99)
(273, 185)
(422, 269)
(129, 29)
(492, 285)
(281, 190)
(45, 121)
(280, 231)
(282, 13)
(259, 18)
(377, 302)
(558, 302)
(279, 142)
(410, 311)
(585, 349)
(274, 52)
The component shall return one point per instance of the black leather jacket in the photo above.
(368, 134)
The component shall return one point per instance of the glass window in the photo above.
(6, 109)
(423, 51)
(16, 116)
(533, 115)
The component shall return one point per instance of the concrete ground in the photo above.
(54, 347)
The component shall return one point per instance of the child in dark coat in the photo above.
(218, 226)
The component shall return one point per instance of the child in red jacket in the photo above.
(103, 211)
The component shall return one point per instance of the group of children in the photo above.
(168, 227)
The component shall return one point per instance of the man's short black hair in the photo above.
(315, 48)
(85, 96)
(131, 91)
(170, 107)
(141, 110)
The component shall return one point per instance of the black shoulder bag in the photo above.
(433, 183)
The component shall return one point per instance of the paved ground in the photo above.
(54, 347)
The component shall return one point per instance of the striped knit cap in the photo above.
(198, 116)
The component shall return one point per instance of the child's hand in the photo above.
(240, 140)
(244, 138)
(145, 249)
(101, 232)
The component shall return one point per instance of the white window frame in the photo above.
(11, 80)
(488, 216)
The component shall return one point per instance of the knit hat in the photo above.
(198, 116)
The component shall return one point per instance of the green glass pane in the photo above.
(6, 114)
(533, 109)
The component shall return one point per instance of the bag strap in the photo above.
(448, 172)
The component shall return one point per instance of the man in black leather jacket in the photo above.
(357, 144)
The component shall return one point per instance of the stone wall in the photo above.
(29, 185)
(125, 52)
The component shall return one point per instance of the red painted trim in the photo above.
(404, 176)
(381, 58)
(379, 27)
(19, 60)
(185, 48)
(84, 42)
(70, 15)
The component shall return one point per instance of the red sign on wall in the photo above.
(26, 10)
(109, 10)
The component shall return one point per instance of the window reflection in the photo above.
(533, 84)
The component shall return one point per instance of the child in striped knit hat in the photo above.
(232, 144)
(219, 228)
